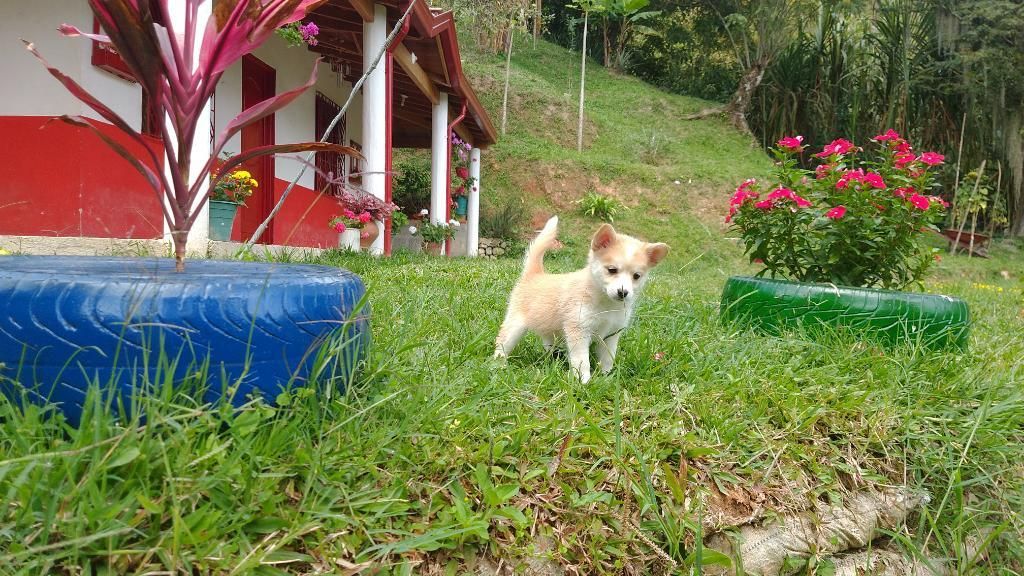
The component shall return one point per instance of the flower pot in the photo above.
(256, 327)
(461, 205)
(432, 248)
(222, 217)
(369, 234)
(349, 239)
(892, 317)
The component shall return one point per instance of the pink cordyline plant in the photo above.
(163, 61)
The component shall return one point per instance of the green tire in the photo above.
(776, 306)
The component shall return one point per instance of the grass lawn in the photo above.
(437, 459)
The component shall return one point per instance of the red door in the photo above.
(258, 82)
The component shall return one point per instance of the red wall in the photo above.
(59, 180)
(293, 225)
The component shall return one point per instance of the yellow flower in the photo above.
(4, 252)
(254, 183)
(241, 175)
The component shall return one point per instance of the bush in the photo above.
(411, 190)
(851, 221)
(505, 218)
(598, 206)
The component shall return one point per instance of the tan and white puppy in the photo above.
(589, 306)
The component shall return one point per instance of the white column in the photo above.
(202, 145)
(473, 211)
(439, 159)
(375, 112)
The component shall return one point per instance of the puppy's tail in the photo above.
(534, 263)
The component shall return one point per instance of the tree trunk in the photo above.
(736, 109)
(1014, 145)
(538, 19)
(583, 82)
(607, 48)
(508, 69)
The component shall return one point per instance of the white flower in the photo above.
(456, 223)
(424, 212)
(677, 182)
(412, 230)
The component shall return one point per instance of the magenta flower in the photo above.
(837, 147)
(309, 32)
(904, 158)
(339, 227)
(932, 158)
(787, 194)
(920, 202)
(836, 213)
(822, 170)
(889, 134)
(874, 179)
(938, 200)
(791, 143)
(904, 192)
(765, 205)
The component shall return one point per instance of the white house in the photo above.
(61, 181)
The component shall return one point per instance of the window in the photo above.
(329, 162)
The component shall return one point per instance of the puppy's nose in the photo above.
(622, 293)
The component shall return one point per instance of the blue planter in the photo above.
(256, 328)
(222, 217)
(461, 204)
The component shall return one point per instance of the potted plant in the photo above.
(358, 202)
(411, 185)
(227, 195)
(847, 239)
(349, 227)
(434, 235)
(461, 180)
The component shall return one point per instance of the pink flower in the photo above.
(791, 143)
(786, 193)
(365, 217)
(920, 202)
(850, 176)
(309, 32)
(837, 147)
(348, 213)
(874, 179)
(836, 213)
(932, 158)
(904, 158)
(765, 205)
(822, 170)
(890, 134)
(339, 227)
(937, 200)
(462, 172)
(904, 192)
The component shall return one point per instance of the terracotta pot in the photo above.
(369, 234)
(432, 248)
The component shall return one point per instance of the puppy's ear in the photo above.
(603, 238)
(656, 253)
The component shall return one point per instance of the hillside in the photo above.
(674, 175)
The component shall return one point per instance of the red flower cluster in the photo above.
(791, 143)
(873, 179)
(837, 147)
(775, 197)
(836, 213)
(743, 193)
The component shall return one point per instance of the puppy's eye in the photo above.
(613, 270)
(636, 276)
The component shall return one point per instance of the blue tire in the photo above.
(68, 322)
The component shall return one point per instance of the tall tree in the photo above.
(587, 6)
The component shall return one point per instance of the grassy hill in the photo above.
(438, 460)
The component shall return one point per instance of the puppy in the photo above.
(592, 305)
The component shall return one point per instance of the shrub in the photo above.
(411, 189)
(599, 206)
(505, 218)
(851, 221)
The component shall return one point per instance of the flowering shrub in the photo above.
(435, 233)
(854, 221)
(349, 219)
(234, 188)
(358, 202)
(297, 34)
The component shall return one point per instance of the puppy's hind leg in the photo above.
(512, 330)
